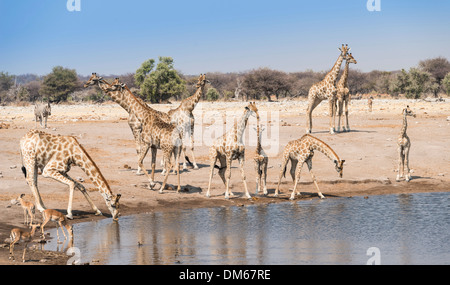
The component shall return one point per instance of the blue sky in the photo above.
(116, 36)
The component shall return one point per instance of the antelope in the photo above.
(60, 220)
(28, 210)
(19, 234)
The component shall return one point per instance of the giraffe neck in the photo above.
(241, 125)
(126, 99)
(344, 77)
(188, 104)
(405, 126)
(319, 145)
(103, 85)
(259, 134)
(334, 72)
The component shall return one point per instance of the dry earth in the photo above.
(370, 151)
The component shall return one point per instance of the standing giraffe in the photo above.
(404, 144)
(229, 147)
(370, 103)
(183, 117)
(134, 124)
(343, 93)
(325, 89)
(54, 155)
(302, 150)
(261, 161)
(156, 134)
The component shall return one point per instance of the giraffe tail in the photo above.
(24, 170)
(187, 159)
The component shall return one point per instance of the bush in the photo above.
(212, 94)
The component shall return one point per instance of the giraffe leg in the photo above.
(167, 167)
(400, 163)
(264, 178)
(294, 163)
(241, 164)
(346, 114)
(297, 179)
(191, 136)
(340, 106)
(31, 178)
(212, 159)
(144, 150)
(406, 159)
(258, 176)
(86, 195)
(312, 104)
(282, 172)
(309, 163)
(228, 178)
(332, 113)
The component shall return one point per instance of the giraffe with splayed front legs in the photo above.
(229, 147)
(325, 89)
(54, 155)
(343, 94)
(404, 144)
(301, 151)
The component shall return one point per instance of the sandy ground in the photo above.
(370, 151)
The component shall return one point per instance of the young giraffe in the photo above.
(300, 151)
(404, 144)
(343, 93)
(229, 147)
(261, 162)
(325, 89)
(156, 134)
(54, 155)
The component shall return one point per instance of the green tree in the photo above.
(159, 84)
(58, 84)
(6, 81)
(446, 83)
(212, 94)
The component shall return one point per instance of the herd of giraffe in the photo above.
(171, 132)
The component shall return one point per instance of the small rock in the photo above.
(43, 260)
(13, 166)
(441, 174)
(80, 179)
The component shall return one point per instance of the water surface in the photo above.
(406, 228)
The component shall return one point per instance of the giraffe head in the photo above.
(344, 50)
(94, 79)
(202, 81)
(116, 85)
(350, 59)
(252, 108)
(339, 166)
(113, 206)
(408, 112)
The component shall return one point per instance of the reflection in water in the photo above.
(407, 228)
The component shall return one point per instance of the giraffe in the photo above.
(229, 147)
(302, 150)
(261, 161)
(134, 124)
(404, 145)
(156, 133)
(54, 155)
(343, 93)
(370, 103)
(325, 89)
(182, 116)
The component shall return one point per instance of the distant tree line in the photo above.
(158, 82)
